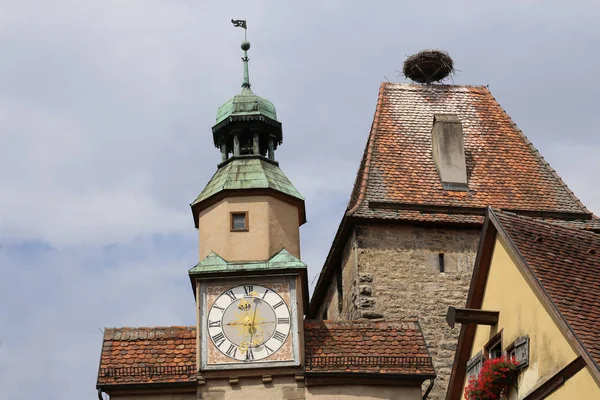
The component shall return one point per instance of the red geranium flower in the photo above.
(494, 379)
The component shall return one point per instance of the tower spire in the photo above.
(247, 124)
(245, 59)
(241, 23)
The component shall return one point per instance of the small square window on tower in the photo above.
(239, 221)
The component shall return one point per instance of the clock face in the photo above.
(248, 322)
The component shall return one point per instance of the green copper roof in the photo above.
(246, 103)
(248, 173)
(214, 263)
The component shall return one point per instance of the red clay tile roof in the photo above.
(398, 180)
(148, 355)
(504, 169)
(168, 354)
(567, 263)
(366, 347)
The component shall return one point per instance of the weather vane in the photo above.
(240, 23)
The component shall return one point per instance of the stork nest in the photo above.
(428, 66)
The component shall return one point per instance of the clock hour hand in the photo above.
(252, 327)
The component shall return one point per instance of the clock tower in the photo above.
(250, 285)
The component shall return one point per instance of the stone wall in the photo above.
(398, 276)
(349, 287)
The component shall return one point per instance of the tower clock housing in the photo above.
(250, 284)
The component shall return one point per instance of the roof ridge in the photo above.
(406, 85)
(536, 153)
(131, 328)
(366, 159)
(364, 320)
(149, 333)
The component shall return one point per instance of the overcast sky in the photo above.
(105, 115)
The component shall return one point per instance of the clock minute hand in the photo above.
(252, 327)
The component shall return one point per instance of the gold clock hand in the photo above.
(253, 328)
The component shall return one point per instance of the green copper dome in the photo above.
(247, 133)
(246, 103)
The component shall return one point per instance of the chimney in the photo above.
(449, 151)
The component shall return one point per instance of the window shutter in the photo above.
(474, 366)
(522, 351)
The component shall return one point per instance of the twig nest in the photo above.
(428, 66)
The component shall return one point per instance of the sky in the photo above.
(106, 108)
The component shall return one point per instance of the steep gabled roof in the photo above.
(398, 174)
(567, 264)
(398, 181)
(562, 265)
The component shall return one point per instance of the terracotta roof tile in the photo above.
(397, 178)
(567, 263)
(504, 169)
(148, 355)
(168, 354)
(389, 347)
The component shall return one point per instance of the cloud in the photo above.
(56, 302)
(105, 115)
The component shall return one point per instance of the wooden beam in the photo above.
(471, 316)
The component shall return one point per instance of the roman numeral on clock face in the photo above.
(231, 295)
(219, 338)
(225, 314)
(279, 336)
(268, 349)
(232, 350)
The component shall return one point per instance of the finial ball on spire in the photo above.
(245, 45)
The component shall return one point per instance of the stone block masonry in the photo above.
(397, 275)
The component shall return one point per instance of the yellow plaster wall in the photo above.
(284, 227)
(273, 225)
(580, 386)
(287, 388)
(283, 388)
(521, 313)
(179, 396)
(363, 392)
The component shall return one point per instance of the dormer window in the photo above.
(449, 152)
(239, 221)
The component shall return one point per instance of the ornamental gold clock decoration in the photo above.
(249, 323)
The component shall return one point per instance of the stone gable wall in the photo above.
(350, 287)
(398, 276)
